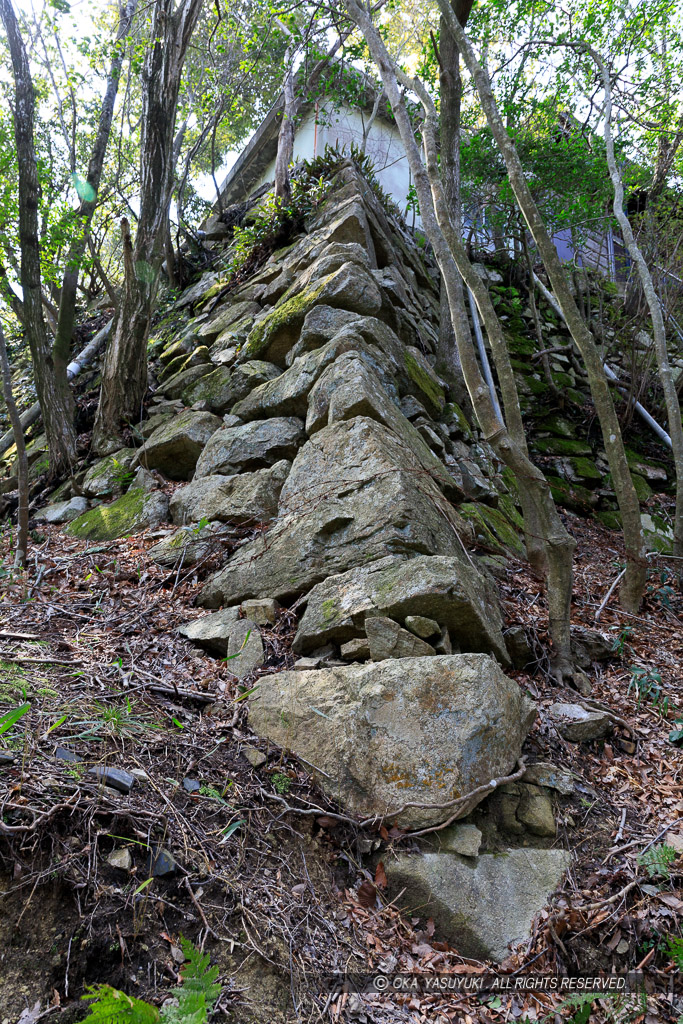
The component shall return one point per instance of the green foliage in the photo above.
(674, 947)
(658, 860)
(196, 997)
(282, 782)
(676, 734)
(10, 718)
(647, 683)
(114, 1007)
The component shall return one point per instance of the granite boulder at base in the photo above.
(62, 511)
(353, 494)
(136, 511)
(175, 446)
(250, 445)
(448, 590)
(385, 734)
(225, 634)
(482, 905)
(241, 498)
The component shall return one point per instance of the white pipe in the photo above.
(485, 365)
(82, 359)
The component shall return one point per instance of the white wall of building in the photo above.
(326, 126)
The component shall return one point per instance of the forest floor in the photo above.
(271, 879)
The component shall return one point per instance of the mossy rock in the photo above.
(135, 511)
(651, 469)
(453, 416)
(110, 475)
(175, 366)
(561, 446)
(658, 533)
(572, 496)
(424, 378)
(271, 338)
(175, 385)
(643, 489)
(558, 426)
(610, 518)
(180, 347)
(536, 387)
(585, 469)
(577, 397)
(214, 388)
(493, 529)
(521, 365)
(562, 379)
(519, 344)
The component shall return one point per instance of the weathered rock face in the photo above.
(578, 725)
(109, 475)
(389, 733)
(241, 498)
(187, 546)
(250, 445)
(135, 511)
(353, 493)
(175, 447)
(446, 589)
(481, 906)
(226, 635)
(62, 511)
(386, 639)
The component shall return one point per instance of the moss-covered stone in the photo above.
(519, 344)
(658, 533)
(572, 495)
(453, 417)
(494, 529)
(272, 337)
(135, 511)
(610, 518)
(559, 426)
(536, 387)
(424, 380)
(561, 446)
(585, 469)
(110, 475)
(643, 489)
(562, 379)
(214, 389)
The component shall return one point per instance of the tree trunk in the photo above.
(67, 302)
(636, 571)
(285, 139)
(449, 251)
(52, 388)
(124, 377)
(22, 461)
(666, 376)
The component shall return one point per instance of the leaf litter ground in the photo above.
(271, 878)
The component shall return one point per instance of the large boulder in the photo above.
(189, 546)
(446, 589)
(226, 316)
(250, 445)
(351, 387)
(175, 447)
(62, 511)
(482, 905)
(134, 512)
(214, 389)
(354, 493)
(287, 395)
(109, 475)
(350, 287)
(392, 733)
(241, 498)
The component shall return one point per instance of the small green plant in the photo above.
(121, 475)
(282, 783)
(647, 683)
(10, 718)
(674, 948)
(676, 734)
(194, 999)
(658, 860)
(620, 643)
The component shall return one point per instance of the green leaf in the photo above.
(11, 718)
(114, 1007)
(232, 827)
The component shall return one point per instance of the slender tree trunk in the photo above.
(636, 565)
(124, 378)
(449, 252)
(285, 139)
(666, 375)
(88, 195)
(52, 387)
(22, 461)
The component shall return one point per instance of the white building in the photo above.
(322, 123)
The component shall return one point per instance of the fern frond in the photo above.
(114, 1007)
(199, 991)
(657, 860)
